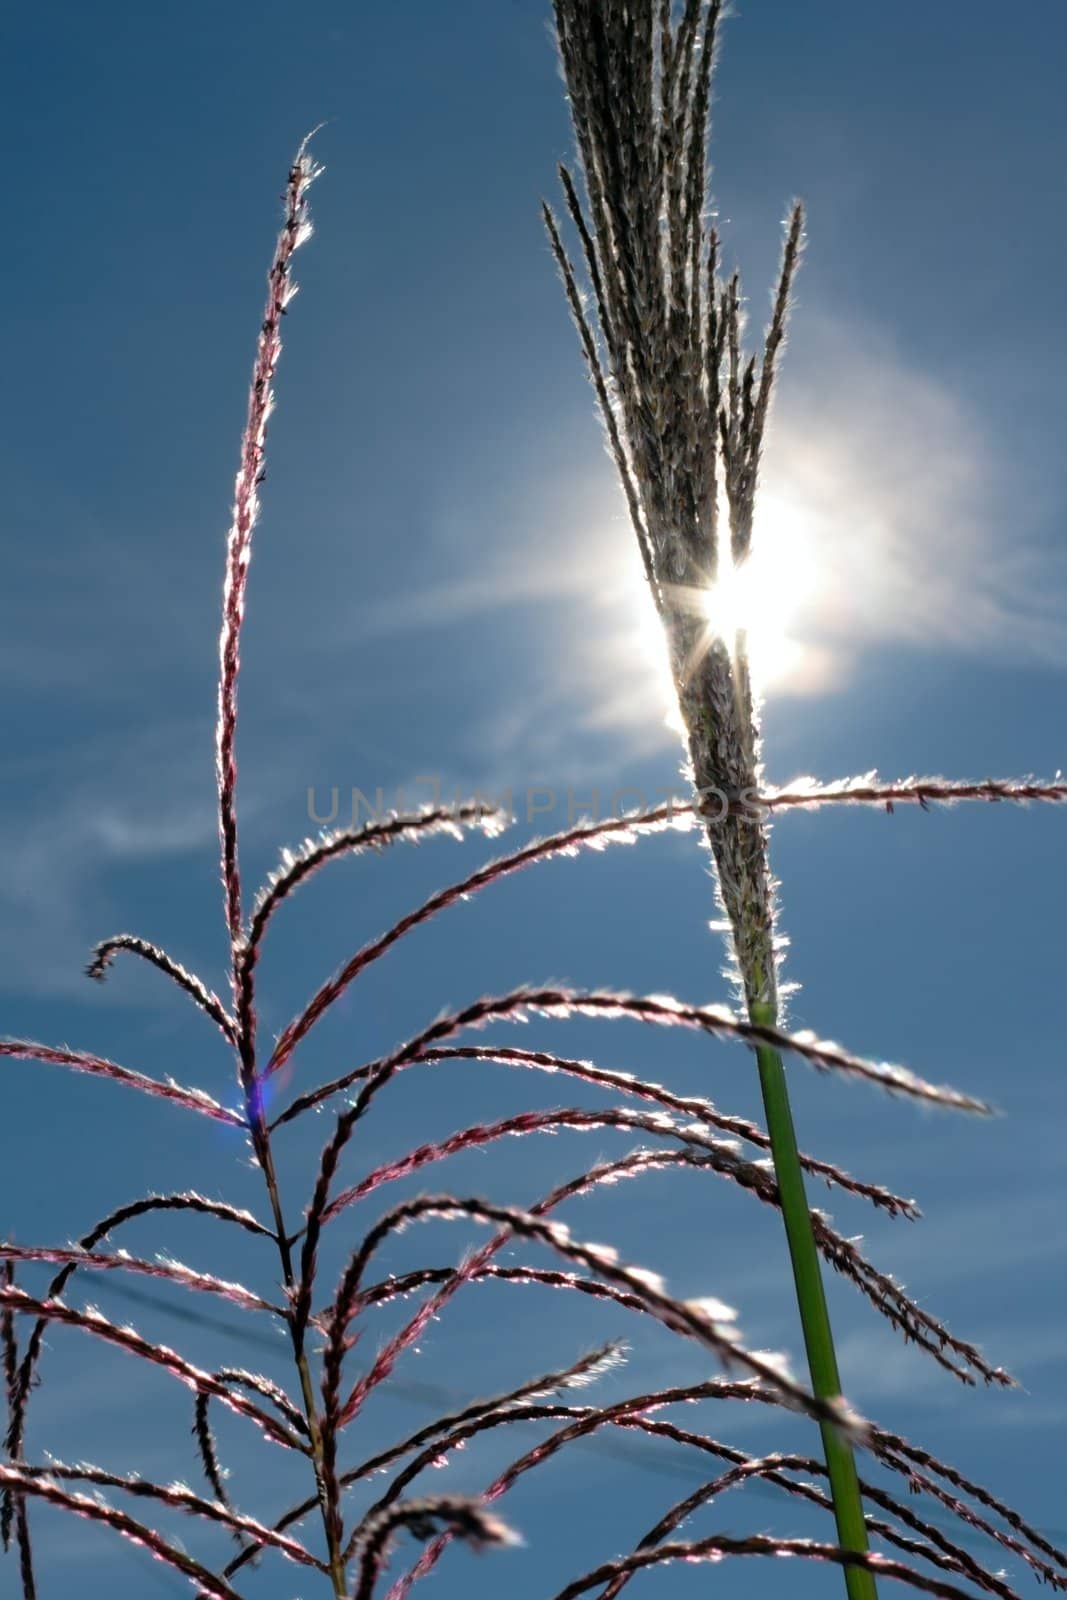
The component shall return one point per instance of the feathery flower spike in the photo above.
(690, 415)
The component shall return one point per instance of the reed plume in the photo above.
(685, 413)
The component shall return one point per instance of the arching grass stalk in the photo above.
(685, 415)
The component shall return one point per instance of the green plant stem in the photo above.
(811, 1301)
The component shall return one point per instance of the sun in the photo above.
(771, 599)
(765, 596)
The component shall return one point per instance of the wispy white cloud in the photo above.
(113, 802)
(900, 518)
(918, 525)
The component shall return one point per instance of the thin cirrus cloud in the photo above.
(120, 801)
(922, 535)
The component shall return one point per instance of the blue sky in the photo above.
(443, 585)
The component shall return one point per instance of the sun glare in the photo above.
(769, 599)
(763, 598)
